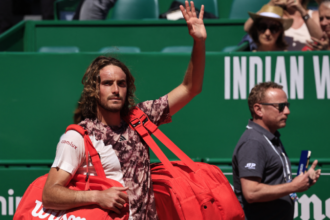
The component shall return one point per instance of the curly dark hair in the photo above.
(253, 32)
(91, 81)
(257, 93)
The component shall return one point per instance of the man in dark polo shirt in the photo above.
(261, 168)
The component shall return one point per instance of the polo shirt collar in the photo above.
(269, 135)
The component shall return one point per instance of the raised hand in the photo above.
(296, 5)
(277, 2)
(195, 25)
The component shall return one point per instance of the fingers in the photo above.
(120, 188)
(314, 165)
(310, 45)
(119, 203)
(184, 13)
(193, 11)
(315, 40)
(289, 2)
(188, 8)
(201, 13)
(123, 196)
(115, 210)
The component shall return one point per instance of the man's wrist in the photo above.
(291, 187)
(94, 195)
(199, 41)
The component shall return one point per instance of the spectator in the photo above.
(305, 22)
(324, 14)
(94, 9)
(268, 27)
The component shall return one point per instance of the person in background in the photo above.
(263, 180)
(305, 23)
(268, 27)
(324, 16)
(93, 9)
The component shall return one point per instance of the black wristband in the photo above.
(305, 17)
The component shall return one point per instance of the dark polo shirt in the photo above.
(255, 157)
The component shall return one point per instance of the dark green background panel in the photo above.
(40, 92)
(91, 36)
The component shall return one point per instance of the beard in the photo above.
(111, 108)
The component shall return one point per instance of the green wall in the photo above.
(39, 93)
(91, 36)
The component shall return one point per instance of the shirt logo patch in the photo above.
(122, 138)
(69, 143)
(251, 166)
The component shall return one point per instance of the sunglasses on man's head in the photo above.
(279, 106)
(273, 28)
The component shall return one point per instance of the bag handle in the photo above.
(140, 122)
(89, 149)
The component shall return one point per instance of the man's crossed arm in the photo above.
(255, 191)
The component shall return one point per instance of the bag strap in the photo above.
(89, 149)
(140, 122)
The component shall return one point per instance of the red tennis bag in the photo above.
(185, 190)
(31, 208)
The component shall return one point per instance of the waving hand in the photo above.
(195, 25)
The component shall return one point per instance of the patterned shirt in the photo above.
(129, 163)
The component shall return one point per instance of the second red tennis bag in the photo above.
(185, 189)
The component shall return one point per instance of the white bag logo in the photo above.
(42, 213)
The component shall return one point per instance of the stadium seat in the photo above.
(135, 9)
(120, 49)
(243, 47)
(59, 50)
(177, 49)
(65, 9)
(210, 6)
(240, 8)
(229, 49)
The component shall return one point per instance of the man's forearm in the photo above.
(313, 28)
(59, 197)
(264, 193)
(193, 79)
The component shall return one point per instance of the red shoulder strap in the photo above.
(89, 148)
(140, 122)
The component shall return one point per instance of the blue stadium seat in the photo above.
(177, 49)
(120, 49)
(210, 6)
(240, 8)
(59, 50)
(135, 9)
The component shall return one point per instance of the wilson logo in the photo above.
(69, 143)
(42, 213)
